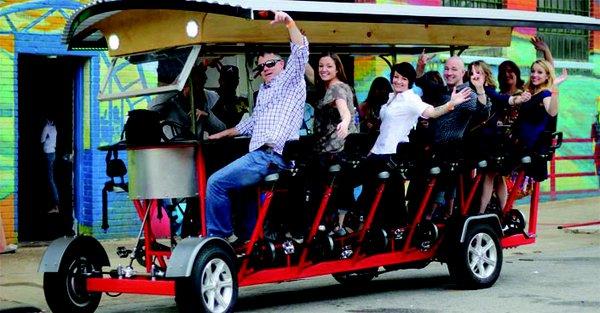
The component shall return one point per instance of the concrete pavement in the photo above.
(21, 284)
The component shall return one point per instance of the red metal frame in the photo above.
(553, 175)
(141, 206)
(201, 178)
(315, 225)
(145, 284)
(419, 215)
(571, 225)
(139, 285)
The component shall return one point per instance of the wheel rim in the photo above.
(217, 286)
(482, 255)
(75, 282)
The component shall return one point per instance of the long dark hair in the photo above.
(379, 83)
(504, 88)
(341, 74)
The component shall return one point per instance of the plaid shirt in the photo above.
(279, 109)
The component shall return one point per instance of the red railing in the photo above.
(553, 175)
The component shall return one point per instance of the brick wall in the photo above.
(7, 143)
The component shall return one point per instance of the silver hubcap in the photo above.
(217, 286)
(482, 255)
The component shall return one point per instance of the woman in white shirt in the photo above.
(398, 116)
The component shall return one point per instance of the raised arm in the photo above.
(540, 45)
(283, 18)
(551, 104)
(309, 72)
(478, 82)
(295, 66)
(423, 59)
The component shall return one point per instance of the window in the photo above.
(566, 44)
(577, 7)
(487, 4)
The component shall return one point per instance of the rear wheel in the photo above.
(213, 285)
(476, 262)
(65, 291)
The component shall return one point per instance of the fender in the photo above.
(53, 256)
(491, 219)
(184, 255)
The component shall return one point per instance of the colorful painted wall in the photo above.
(35, 27)
(28, 26)
(579, 95)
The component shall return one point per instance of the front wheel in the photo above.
(476, 262)
(65, 290)
(213, 285)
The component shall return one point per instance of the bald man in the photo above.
(450, 128)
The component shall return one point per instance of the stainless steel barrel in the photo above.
(162, 172)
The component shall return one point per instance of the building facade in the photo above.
(39, 78)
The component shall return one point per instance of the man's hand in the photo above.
(458, 97)
(281, 18)
(230, 132)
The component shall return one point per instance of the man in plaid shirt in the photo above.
(276, 119)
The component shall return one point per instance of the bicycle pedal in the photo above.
(123, 252)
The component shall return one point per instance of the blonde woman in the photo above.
(535, 115)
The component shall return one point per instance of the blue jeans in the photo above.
(50, 175)
(244, 172)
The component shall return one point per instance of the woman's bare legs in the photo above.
(502, 191)
(486, 191)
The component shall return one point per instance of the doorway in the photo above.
(46, 90)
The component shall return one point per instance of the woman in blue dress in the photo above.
(536, 114)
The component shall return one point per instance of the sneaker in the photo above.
(231, 239)
(11, 248)
(340, 232)
(238, 244)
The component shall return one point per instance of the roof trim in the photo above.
(80, 25)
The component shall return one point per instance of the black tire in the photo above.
(476, 263)
(65, 291)
(199, 293)
(355, 279)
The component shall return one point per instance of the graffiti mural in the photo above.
(102, 122)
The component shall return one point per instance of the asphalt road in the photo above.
(559, 273)
(566, 281)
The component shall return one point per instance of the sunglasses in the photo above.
(269, 64)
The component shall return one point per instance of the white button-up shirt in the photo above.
(49, 138)
(398, 117)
